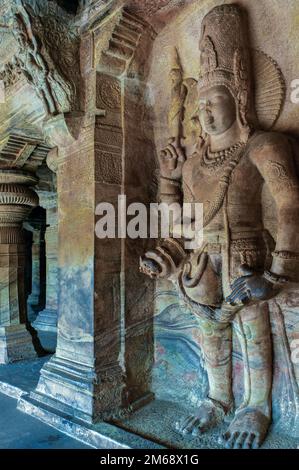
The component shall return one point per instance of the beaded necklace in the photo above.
(214, 160)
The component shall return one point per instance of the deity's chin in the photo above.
(213, 131)
(224, 130)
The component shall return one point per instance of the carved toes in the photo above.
(241, 440)
(191, 425)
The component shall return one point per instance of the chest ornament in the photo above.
(212, 161)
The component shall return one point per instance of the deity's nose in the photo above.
(209, 117)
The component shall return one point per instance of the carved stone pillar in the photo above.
(104, 354)
(46, 321)
(16, 202)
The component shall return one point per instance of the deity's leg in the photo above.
(251, 422)
(217, 348)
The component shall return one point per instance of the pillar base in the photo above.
(67, 387)
(75, 390)
(46, 327)
(15, 344)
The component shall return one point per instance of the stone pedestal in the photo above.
(16, 202)
(46, 321)
(15, 344)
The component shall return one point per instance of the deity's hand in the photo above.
(254, 286)
(172, 159)
(155, 265)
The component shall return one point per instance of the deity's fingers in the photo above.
(172, 149)
(238, 282)
(166, 155)
(236, 293)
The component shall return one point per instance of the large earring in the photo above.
(242, 118)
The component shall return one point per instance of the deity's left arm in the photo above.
(273, 156)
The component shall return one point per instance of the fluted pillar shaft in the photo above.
(46, 321)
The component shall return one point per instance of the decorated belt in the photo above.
(240, 241)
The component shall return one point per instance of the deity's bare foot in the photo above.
(209, 414)
(247, 430)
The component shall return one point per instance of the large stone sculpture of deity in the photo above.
(229, 280)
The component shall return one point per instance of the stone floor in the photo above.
(20, 377)
(21, 431)
(156, 421)
(150, 427)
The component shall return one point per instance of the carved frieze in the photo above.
(109, 94)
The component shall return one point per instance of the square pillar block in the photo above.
(15, 344)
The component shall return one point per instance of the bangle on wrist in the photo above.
(286, 255)
(275, 278)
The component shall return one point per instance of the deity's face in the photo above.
(217, 110)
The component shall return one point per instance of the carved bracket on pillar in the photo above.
(19, 151)
(126, 35)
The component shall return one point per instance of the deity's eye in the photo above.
(219, 99)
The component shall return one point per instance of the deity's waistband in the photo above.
(239, 240)
(219, 236)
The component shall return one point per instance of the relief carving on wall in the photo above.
(10, 74)
(40, 36)
(222, 153)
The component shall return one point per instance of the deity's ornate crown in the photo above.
(225, 56)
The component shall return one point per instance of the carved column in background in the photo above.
(36, 298)
(46, 321)
(16, 202)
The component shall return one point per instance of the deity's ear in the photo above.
(242, 117)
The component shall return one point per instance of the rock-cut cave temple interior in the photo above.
(114, 333)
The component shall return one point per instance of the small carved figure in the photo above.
(239, 266)
(31, 61)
